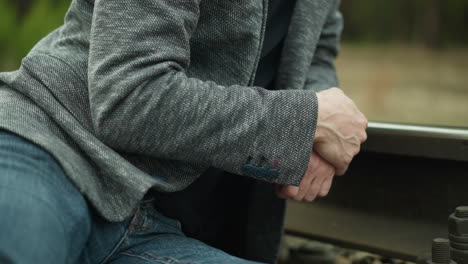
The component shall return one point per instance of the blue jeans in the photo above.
(45, 219)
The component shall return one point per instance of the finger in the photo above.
(341, 171)
(290, 191)
(278, 190)
(326, 185)
(320, 176)
(303, 188)
(281, 193)
(363, 137)
(314, 189)
(366, 122)
(307, 179)
(356, 151)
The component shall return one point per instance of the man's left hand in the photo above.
(317, 181)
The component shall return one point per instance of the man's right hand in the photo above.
(341, 128)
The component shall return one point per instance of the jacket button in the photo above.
(273, 173)
(259, 172)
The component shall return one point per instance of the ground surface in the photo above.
(303, 251)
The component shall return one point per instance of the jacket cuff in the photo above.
(284, 142)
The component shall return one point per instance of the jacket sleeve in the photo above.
(143, 102)
(322, 73)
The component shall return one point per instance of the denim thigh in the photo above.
(44, 218)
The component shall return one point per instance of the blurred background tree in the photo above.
(435, 23)
(400, 59)
(23, 23)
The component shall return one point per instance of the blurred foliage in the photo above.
(43, 17)
(19, 32)
(7, 27)
(435, 23)
(393, 51)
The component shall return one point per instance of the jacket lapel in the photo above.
(299, 46)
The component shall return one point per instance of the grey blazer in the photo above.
(134, 94)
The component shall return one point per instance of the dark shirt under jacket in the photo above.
(214, 209)
(279, 16)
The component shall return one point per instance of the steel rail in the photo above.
(415, 140)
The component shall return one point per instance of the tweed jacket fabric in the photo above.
(134, 94)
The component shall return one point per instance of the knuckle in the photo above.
(364, 136)
(342, 171)
(347, 159)
(364, 122)
(356, 151)
(289, 192)
(315, 190)
(310, 197)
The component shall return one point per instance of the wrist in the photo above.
(319, 133)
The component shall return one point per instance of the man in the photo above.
(129, 98)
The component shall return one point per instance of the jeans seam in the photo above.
(149, 257)
(121, 241)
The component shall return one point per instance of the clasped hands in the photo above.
(341, 129)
